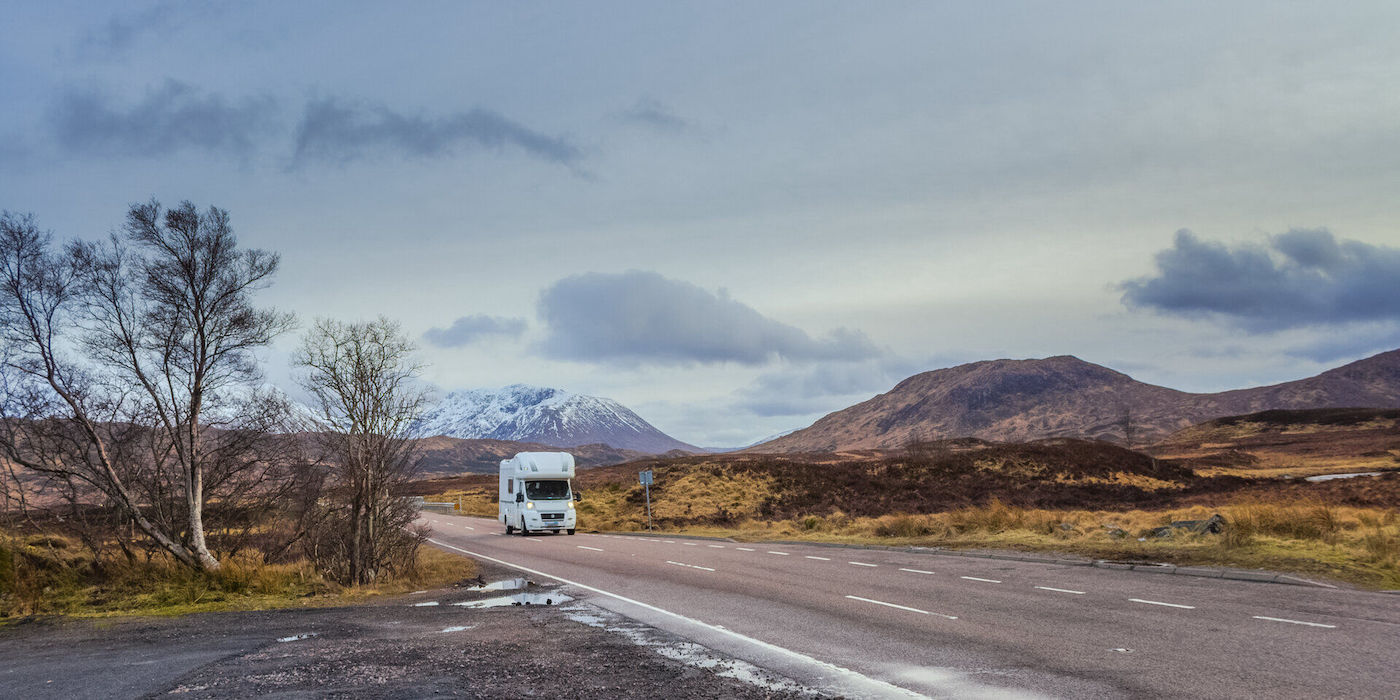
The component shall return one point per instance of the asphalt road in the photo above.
(877, 623)
(447, 642)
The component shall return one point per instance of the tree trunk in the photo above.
(356, 549)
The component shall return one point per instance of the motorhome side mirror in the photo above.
(578, 496)
(519, 498)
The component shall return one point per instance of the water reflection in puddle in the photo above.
(510, 584)
(517, 599)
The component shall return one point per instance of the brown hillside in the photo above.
(444, 456)
(1291, 443)
(929, 477)
(1018, 400)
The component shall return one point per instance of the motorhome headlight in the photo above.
(530, 506)
(571, 505)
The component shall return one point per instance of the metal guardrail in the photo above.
(438, 507)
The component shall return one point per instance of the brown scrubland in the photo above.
(1078, 496)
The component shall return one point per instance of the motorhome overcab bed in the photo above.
(536, 494)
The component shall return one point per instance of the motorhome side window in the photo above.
(510, 485)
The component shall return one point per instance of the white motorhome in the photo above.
(536, 494)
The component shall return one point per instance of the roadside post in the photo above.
(646, 482)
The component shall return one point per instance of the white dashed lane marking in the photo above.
(690, 544)
(861, 563)
(716, 546)
(983, 580)
(1295, 622)
(581, 546)
(917, 571)
(744, 549)
(781, 554)
(819, 558)
(689, 566)
(1158, 602)
(1060, 590)
(900, 607)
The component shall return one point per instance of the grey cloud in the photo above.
(643, 317)
(1305, 277)
(1360, 340)
(469, 329)
(658, 116)
(338, 131)
(122, 31)
(167, 119)
(824, 387)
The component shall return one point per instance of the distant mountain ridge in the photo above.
(547, 416)
(448, 456)
(1064, 396)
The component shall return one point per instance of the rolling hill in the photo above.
(1020, 400)
(445, 456)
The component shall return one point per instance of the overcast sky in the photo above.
(736, 217)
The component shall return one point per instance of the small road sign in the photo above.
(645, 476)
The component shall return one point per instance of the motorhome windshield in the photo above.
(547, 490)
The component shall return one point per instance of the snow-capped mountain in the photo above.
(544, 415)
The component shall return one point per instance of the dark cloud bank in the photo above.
(170, 118)
(176, 116)
(469, 329)
(646, 318)
(338, 131)
(1305, 277)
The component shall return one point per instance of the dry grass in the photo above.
(1357, 545)
(48, 575)
(1085, 499)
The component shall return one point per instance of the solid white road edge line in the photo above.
(1158, 602)
(983, 580)
(883, 686)
(901, 607)
(917, 571)
(580, 546)
(1060, 590)
(1296, 622)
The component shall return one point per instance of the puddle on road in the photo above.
(298, 637)
(517, 599)
(510, 584)
(687, 653)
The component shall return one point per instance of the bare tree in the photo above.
(132, 362)
(363, 379)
